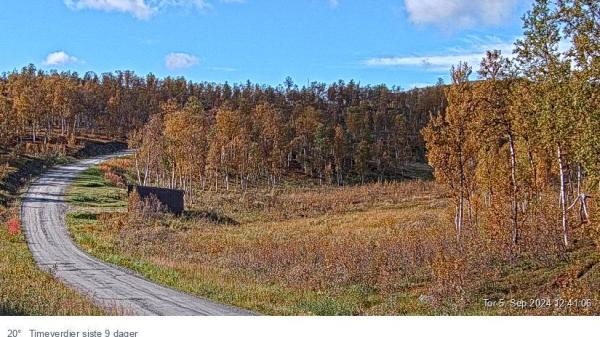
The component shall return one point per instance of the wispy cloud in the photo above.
(198, 4)
(434, 63)
(59, 58)
(176, 61)
(471, 50)
(138, 8)
(141, 9)
(457, 14)
(333, 3)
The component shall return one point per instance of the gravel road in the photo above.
(115, 288)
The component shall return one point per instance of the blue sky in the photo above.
(397, 42)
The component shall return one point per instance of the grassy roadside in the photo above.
(349, 253)
(93, 199)
(24, 289)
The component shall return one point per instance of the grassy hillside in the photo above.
(270, 260)
(364, 250)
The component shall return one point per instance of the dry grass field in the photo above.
(378, 249)
(315, 251)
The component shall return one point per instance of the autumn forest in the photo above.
(512, 145)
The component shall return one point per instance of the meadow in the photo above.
(375, 249)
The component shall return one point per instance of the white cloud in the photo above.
(59, 58)
(333, 3)
(141, 9)
(434, 63)
(456, 14)
(138, 8)
(175, 61)
(199, 4)
(473, 51)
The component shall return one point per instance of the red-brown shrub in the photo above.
(14, 226)
(112, 173)
(114, 179)
(143, 211)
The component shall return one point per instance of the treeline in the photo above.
(336, 134)
(339, 133)
(522, 145)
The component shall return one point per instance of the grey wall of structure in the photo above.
(170, 198)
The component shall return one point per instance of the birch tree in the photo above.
(541, 62)
(452, 143)
(498, 122)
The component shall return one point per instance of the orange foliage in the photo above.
(113, 171)
(14, 226)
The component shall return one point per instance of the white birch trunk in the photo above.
(513, 179)
(563, 197)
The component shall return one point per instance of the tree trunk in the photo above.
(173, 181)
(459, 216)
(461, 199)
(563, 197)
(75, 122)
(147, 168)
(532, 163)
(137, 169)
(514, 190)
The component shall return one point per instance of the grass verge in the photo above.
(221, 260)
(365, 250)
(24, 289)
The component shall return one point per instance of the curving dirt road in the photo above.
(115, 288)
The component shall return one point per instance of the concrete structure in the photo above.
(172, 199)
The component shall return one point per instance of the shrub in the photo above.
(144, 210)
(113, 173)
(114, 179)
(14, 226)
